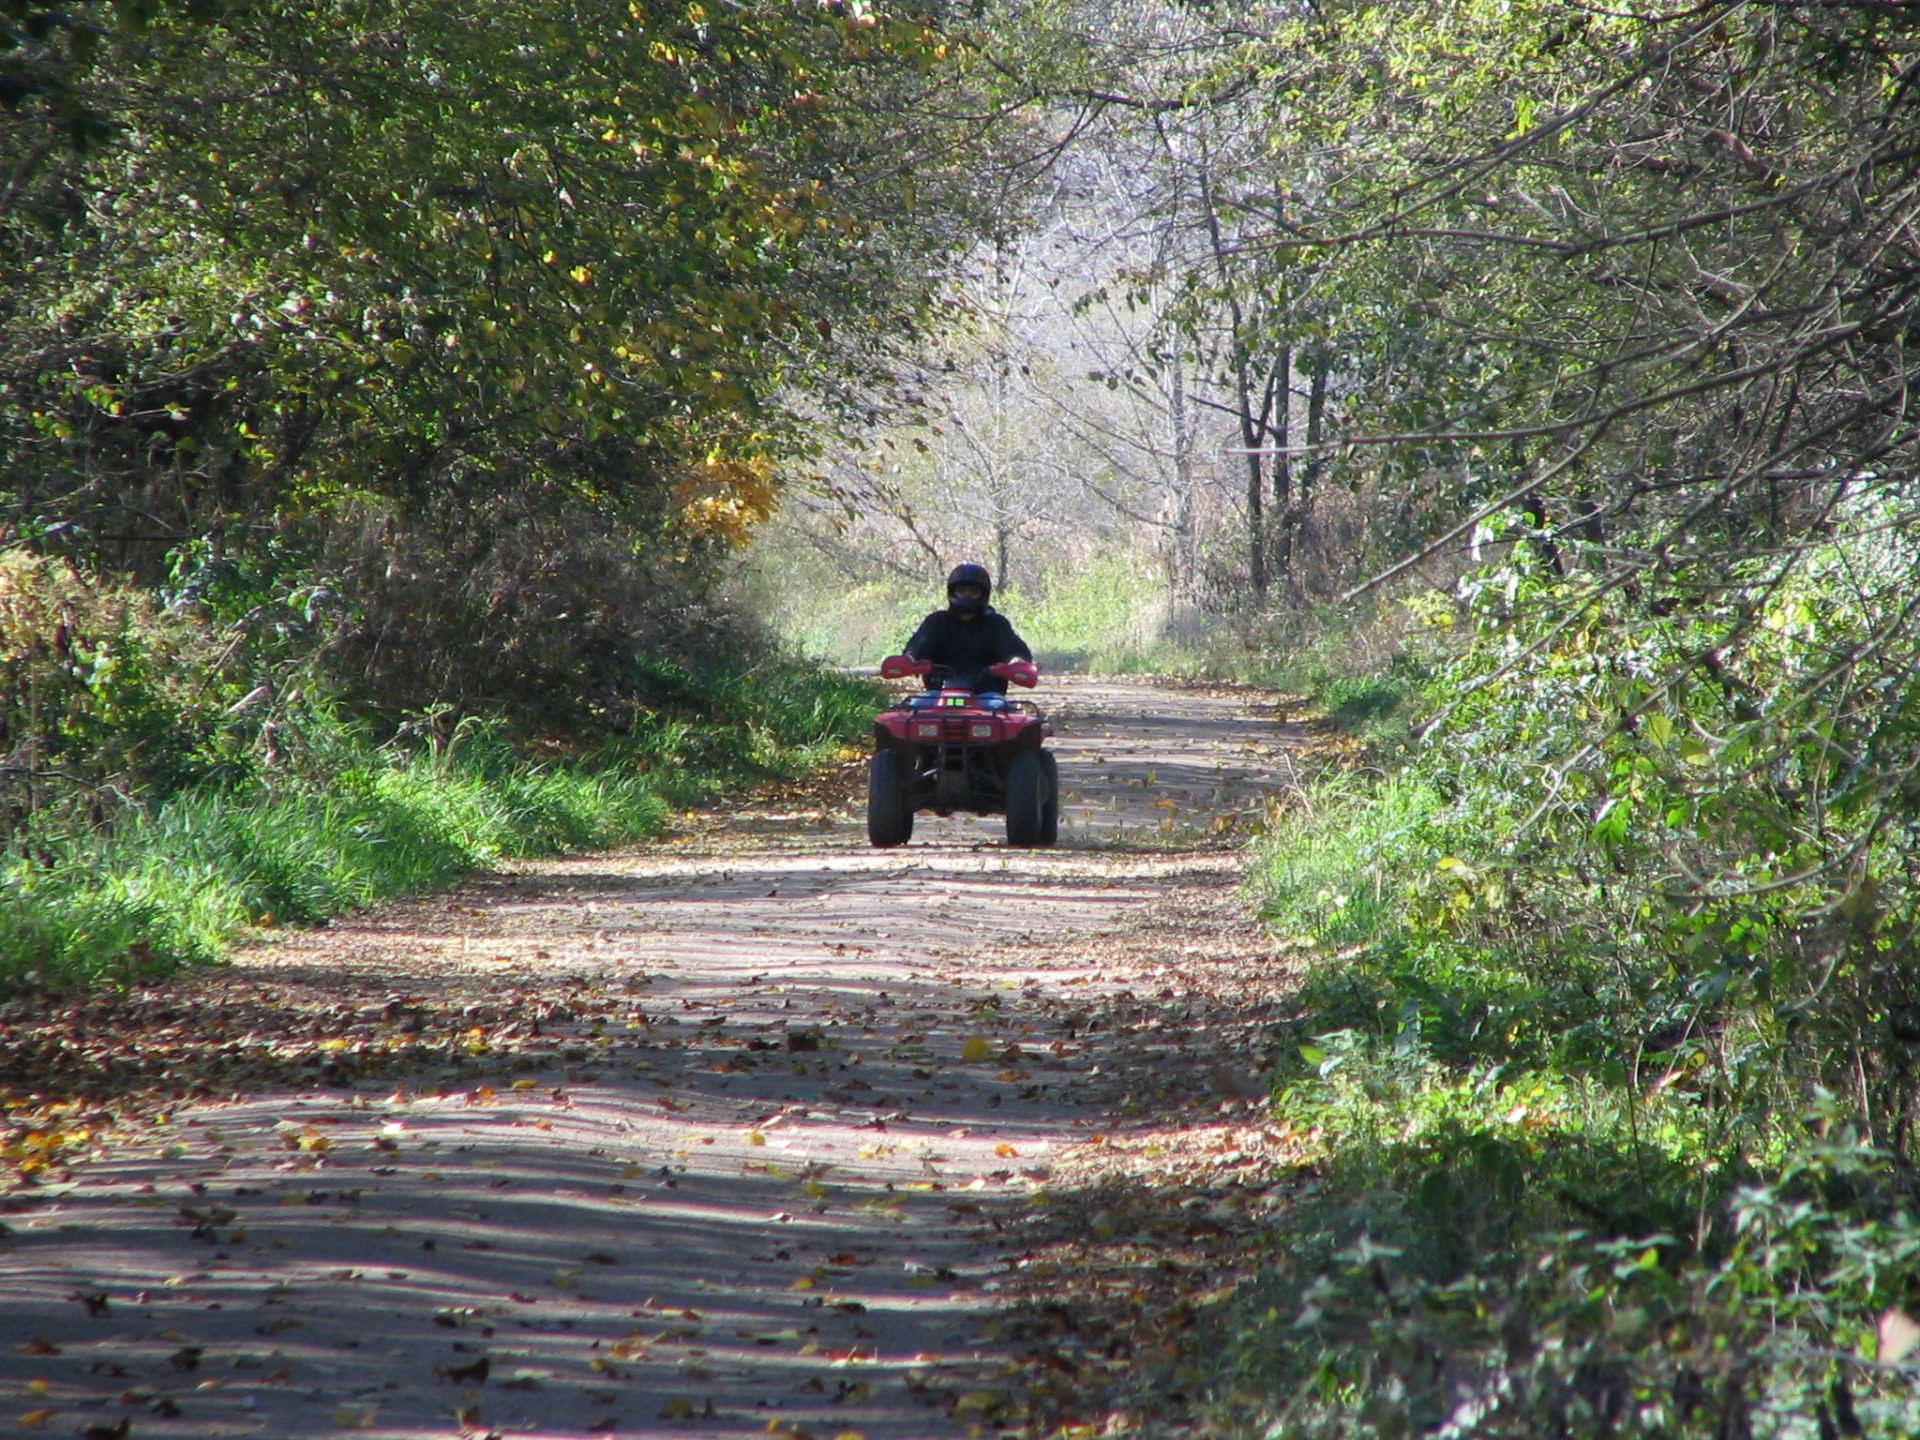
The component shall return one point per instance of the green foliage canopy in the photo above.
(373, 248)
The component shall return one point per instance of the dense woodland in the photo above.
(382, 375)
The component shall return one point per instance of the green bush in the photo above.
(1606, 1055)
(105, 695)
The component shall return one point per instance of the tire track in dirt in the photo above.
(740, 1143)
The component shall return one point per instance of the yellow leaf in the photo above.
(566, 1279)
(754, 1137)
(35, 1419)
(677, 1407)
(348, 1418)
(805, 1282)
(1005, 1151)
(526, 1084)
(977, 1048)
(982, 1402)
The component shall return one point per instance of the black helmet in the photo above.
(969, 574)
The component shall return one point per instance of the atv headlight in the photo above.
(981, 729)
(927, 730)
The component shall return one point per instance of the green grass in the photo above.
(177, 882)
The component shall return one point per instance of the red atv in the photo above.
(954, 749)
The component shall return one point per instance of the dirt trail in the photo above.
(729, 1135)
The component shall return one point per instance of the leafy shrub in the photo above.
(1493, 1276)
(1607, 1044)
(105, 696)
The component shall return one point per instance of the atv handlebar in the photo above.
(1020, 672)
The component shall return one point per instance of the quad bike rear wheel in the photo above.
(889, 807)
(1050, 806)
(1026, 799)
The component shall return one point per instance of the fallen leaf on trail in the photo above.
(977, 1048)
(1004, 1150)
(39, 1345)
(678, 1407)
(103, 1431)
(348, 1418)
(474, 1374)
(981, 1402)
(35, 1419)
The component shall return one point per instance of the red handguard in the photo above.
(1020, 672)
(898, 667)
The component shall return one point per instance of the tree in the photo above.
(402, 267)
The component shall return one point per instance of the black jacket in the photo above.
(968, 647)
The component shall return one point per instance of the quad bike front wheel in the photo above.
(889, 807)
(1027, 795)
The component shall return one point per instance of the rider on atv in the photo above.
(968, 636)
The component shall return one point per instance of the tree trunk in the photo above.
(1256, 516)
(1182, 546)
(1281, 429)
(1316, 436)
(1279, 420)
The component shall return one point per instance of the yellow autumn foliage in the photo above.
(726, 497)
